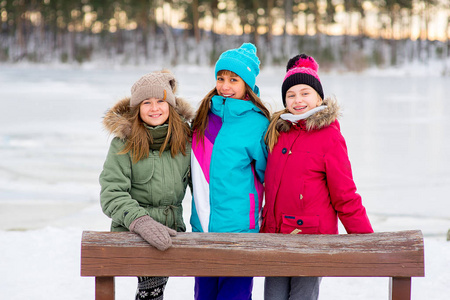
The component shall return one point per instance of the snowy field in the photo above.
(52, 148)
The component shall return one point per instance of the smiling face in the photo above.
(230, 85)
(301, 98)
(154, 111)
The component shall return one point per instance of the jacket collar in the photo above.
(319, 118)
(295, 118)
(221, 106)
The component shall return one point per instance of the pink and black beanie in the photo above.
(301, 69)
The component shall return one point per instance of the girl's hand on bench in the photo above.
(155, 233)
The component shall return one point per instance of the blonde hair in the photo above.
(200, 121)
(140, 139)
(273, 131)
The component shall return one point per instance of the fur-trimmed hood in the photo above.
(318, 120)
(116, 120)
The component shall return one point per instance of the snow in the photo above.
(52, 147)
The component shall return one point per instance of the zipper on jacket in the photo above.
(211, 184)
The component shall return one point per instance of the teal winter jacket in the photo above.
(228, 168)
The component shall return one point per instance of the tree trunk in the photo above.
(287, 41)
(195, 19)
(269, 55)
(256, 25)
(215, 16)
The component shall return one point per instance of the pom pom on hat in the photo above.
(158, 84)
(242, 61)
(301, 69)
(302, 60)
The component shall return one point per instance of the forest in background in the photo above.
(342, 34)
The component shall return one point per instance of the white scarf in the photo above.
(295, 118)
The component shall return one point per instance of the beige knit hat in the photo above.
(158, 84)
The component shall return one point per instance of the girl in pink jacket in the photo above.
(309, 182)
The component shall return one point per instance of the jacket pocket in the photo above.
(252, 220)
(299, 224)
(143, 171)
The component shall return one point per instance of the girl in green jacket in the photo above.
(147, 168)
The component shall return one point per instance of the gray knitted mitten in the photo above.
(155, 233)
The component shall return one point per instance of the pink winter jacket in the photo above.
(309, 182)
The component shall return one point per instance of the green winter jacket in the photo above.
(154, 186)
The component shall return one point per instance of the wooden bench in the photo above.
(399, 255)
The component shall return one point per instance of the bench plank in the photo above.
(384, 254)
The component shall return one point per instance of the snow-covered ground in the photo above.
(52, 148)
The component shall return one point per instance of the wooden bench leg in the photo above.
(104, 288)
(400, 288)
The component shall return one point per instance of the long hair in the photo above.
(273, 131)
(200, 122)
(140, 139)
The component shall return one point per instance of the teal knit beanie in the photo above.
(242, 61)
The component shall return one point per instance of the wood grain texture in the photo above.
(399, 288)
(104, 288)
(385, 254)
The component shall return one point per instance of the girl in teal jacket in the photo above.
(228, 161)
(147, 168)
